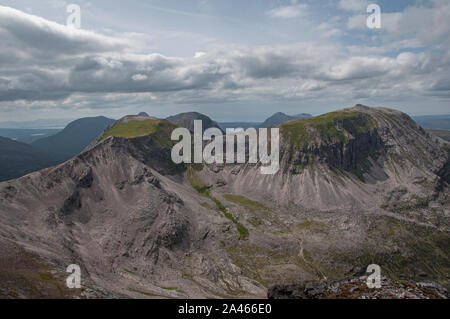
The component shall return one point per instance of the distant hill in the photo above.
(41, 124)
(186, 120)
(243, 125)
(434, 121)
(75, 137)
(280, 118)
(444, 134)
(18, 159)
(27, 135)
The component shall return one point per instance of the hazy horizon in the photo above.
(60, 123)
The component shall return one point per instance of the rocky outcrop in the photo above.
(357, 288)
(348, 155)
(444, 175)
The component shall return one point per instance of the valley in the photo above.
(356, 186)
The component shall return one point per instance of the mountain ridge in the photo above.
(280, 118)
(18, 159)
(140, 226)
(186, 120)
(74, 137)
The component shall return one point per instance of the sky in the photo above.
(233, 60)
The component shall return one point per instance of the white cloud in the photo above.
(49, 65)
(287, 12)
(354, 5)
(199, 54)
(416, 25)
(357, 22)
(33, 32)
(139, 77)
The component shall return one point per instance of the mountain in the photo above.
(26, 135)
(301, 116)
(75, 136)
(434, 121)
(444, 134)
(280, 118)
(235, 125)
(186, 120)
(42, 124)
(355, 187)
(18, 159)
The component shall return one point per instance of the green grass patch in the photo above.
(46, 276)
(330, 128)
(161, 130)
(128, 271)
(243, 201)
(196, 182)
(201, 188)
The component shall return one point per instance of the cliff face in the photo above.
(357, 186)
(334, 160)
(349, 155)
(349, 139)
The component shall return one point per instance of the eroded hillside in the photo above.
(356, 186)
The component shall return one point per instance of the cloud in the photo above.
(354, 5)
(413, 28)
(199, 54)
(39, 36)
(49, 65)
(139, 77)
(288, 12)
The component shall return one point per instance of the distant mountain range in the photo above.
(54, 146)
(444, 134)
(40, 124)
(276, 119)
(434, 121)
(186, 120)
(75, 137)
(27, 135)
(18, 159)
(355, 187)
(234, 125)
(280, 118)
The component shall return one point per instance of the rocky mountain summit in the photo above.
(74, 137)
(18, 159)
(280, 118)
(186, 120)
(356, 186)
